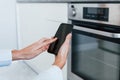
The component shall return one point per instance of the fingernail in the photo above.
(56, 38)
(69, 35)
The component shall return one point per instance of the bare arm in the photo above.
(33, 50)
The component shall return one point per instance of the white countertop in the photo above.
(17, 71)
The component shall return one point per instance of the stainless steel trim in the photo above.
(71, 76)
(114, 12)
(29, 1)
(98, 32)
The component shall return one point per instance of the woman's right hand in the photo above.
(32, 50)
(61, 58)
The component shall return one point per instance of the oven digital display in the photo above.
(94, 13)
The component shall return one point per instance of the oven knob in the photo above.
(73, 10)
(74, 13)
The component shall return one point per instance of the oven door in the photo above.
(95, 55)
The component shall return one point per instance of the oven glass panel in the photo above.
(95, 59)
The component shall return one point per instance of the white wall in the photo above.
(7, 24)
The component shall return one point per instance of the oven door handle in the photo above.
(98, 32)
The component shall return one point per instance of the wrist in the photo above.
(59, 64)
(16, 55)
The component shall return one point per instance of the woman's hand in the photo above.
(61, 58)
(33, 50)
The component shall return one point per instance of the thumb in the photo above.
(68, 38)
(65, 47)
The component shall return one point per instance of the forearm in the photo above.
(60, 59)
(21, 55)
(59, 63)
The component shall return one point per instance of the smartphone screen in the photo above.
(63, 30)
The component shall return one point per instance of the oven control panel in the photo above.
(94, 13)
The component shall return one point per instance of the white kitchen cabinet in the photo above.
(38, 20)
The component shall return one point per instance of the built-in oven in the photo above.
(95, 50)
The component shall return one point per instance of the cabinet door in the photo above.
(8, 35)
(39, 11)
(36, 21)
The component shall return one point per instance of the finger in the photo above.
(65, 47)
(37, 52)
(47, 47)
(40, 50)
(40, 41)
(43, 39)
(47, 42)
(68, 38)
(52, 37)
(37, 43)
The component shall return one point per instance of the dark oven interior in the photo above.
(95, 57)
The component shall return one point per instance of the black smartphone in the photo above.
(63, 30)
